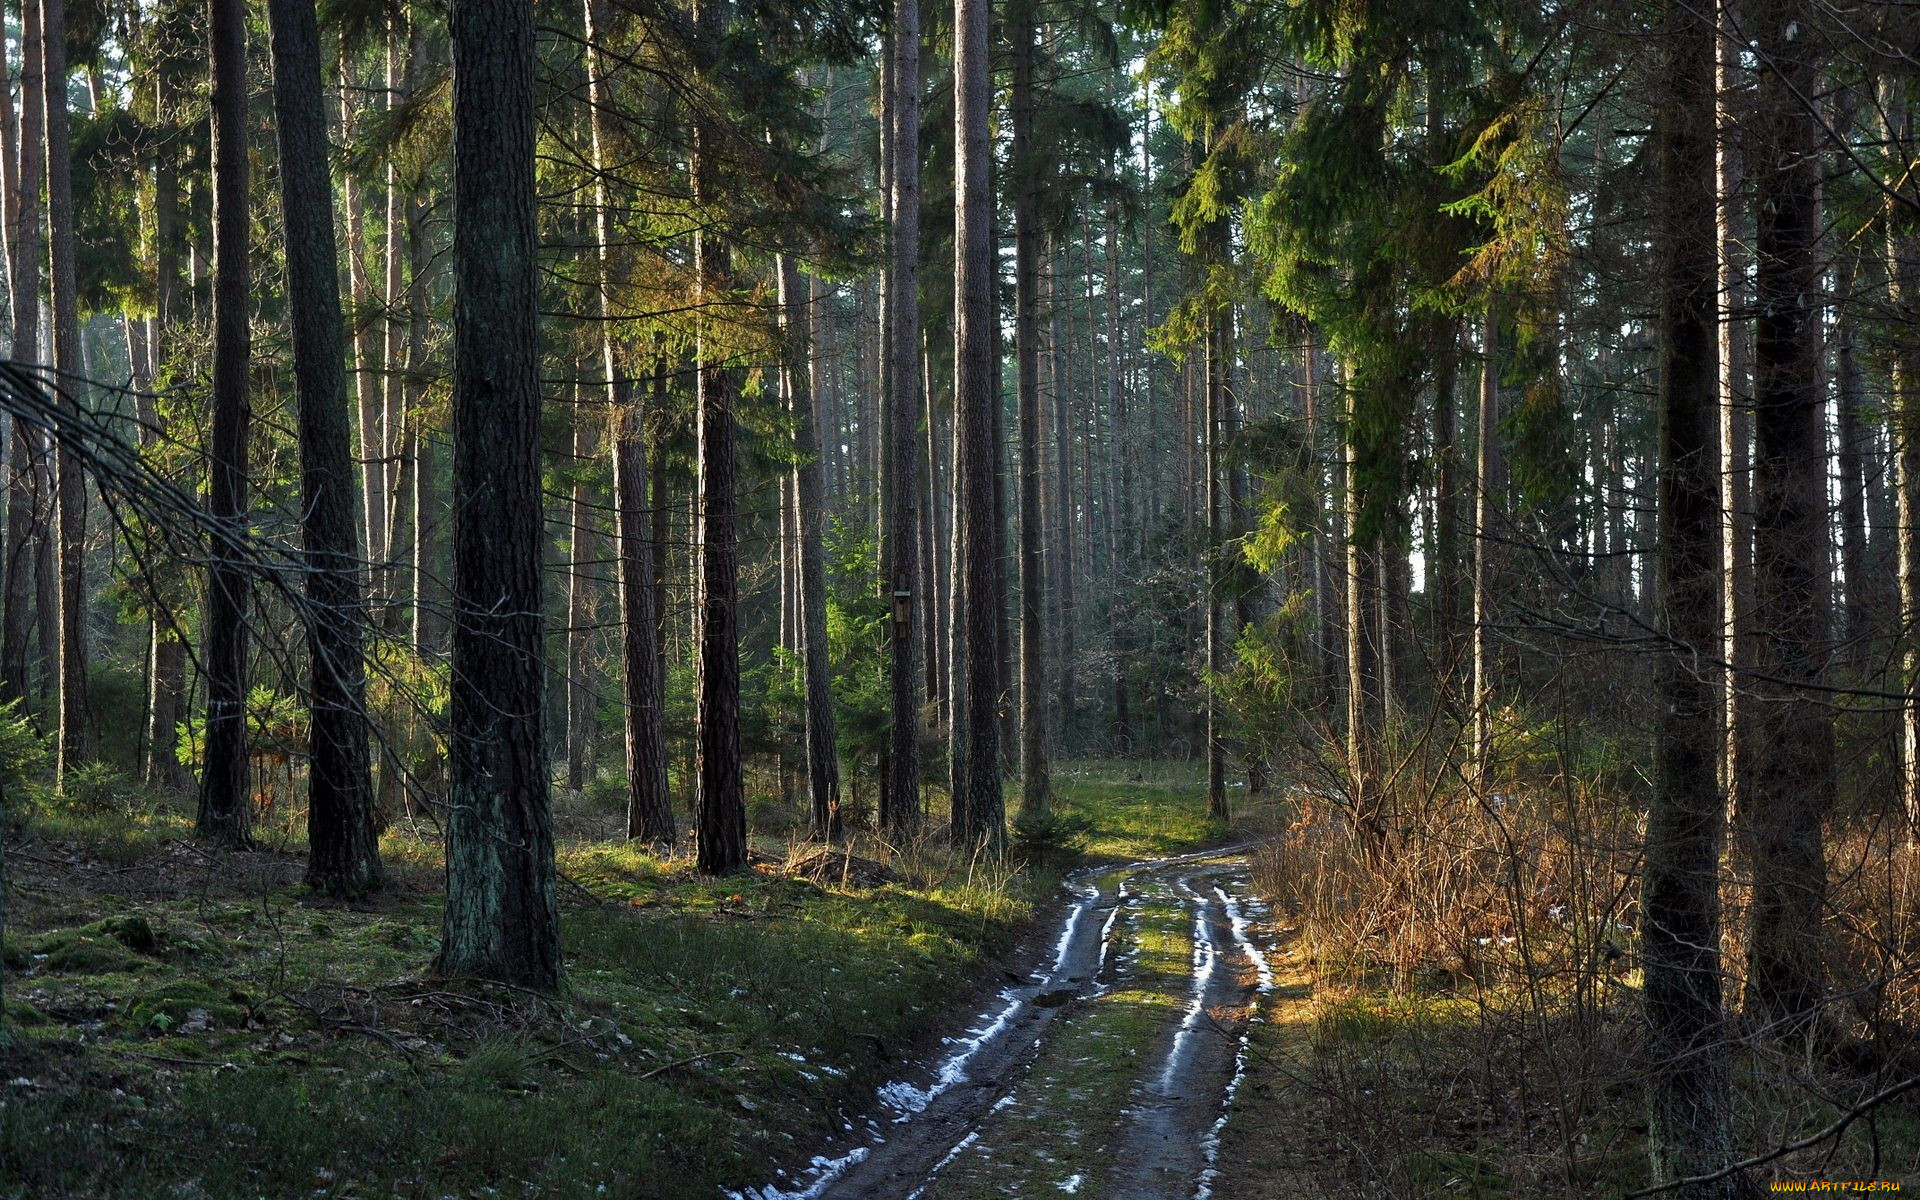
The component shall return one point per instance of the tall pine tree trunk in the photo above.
(810, 505)
(70, 491)
(502, 910)
(978, 809)
(1689, 1129)
(225, 803)
(1034, 783)
(1792, 786)
(342, 845)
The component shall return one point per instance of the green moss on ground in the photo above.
(215, 1032)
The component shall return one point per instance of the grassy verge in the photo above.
(196, 1026)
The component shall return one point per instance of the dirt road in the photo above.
(1107, 1071)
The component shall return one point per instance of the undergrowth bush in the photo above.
(1051, 837)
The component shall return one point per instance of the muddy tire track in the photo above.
(944, 1117)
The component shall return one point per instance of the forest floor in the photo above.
(192, 1025)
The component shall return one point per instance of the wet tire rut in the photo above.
(1107, 1072)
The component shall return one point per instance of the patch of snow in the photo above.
(1204, 958)
(958, 1149)
(1210, 1143)
(826, 1171)
(1254, 954)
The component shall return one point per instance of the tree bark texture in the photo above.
(502, 911)
(343, 845)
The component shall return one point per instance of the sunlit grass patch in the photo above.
(1137, 810)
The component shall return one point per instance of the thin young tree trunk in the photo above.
(1339, 673)
(582, 726)
(823, 766)
(392, 333)
(1063, 512)
(1736, 510)
(1363, 651)
(424, 463)
(1486, 483)
(957, 617)
(1443, 563)
(1035, 785)
(1849, 402)
(1235, 570)
(225, 804)
(12, 618)
(167, 665)
(1004, 685)
(10, 160)
(935, 520)
(1443, 556)
(1792, 786)
(1126, 534)
(661, 499)
(1094, 475)
(1210, 579)
(1646, 527)
(1319, 666)
(1620, 566)
(366, 394)
(1149, 361)
(1689, 1129)
(978, 811)
(502, 911)
(928, 583)
(70, 492)
(649, 803)
(343, 847)
(46, 571)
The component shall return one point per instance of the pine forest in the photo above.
(880, 599)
